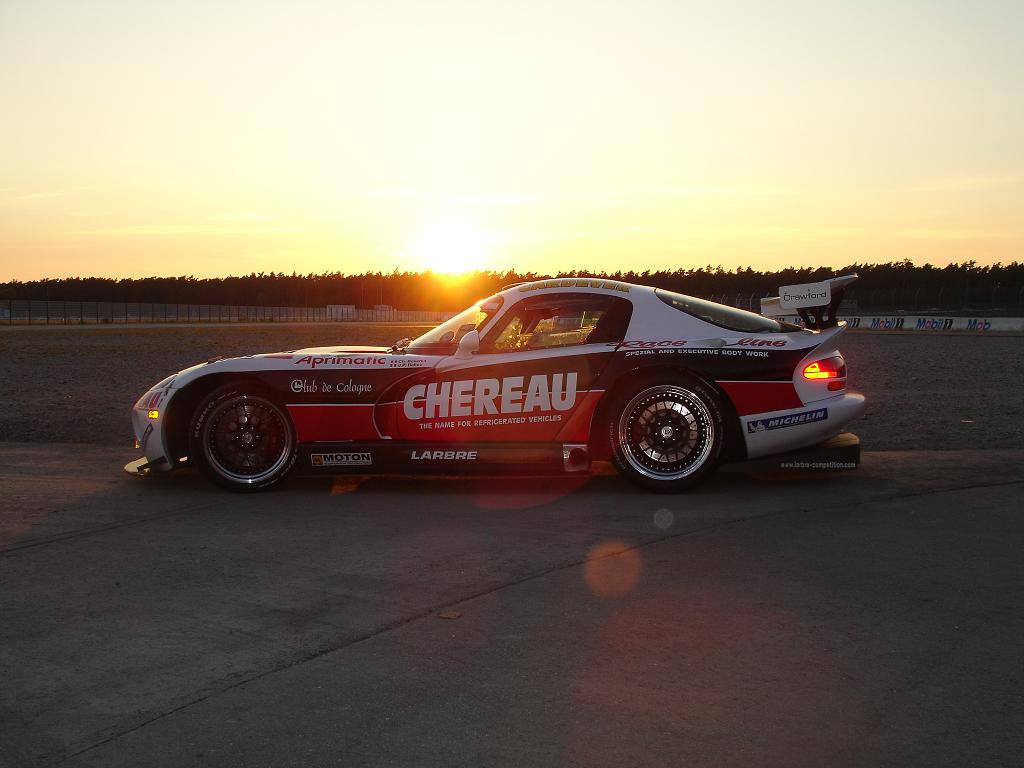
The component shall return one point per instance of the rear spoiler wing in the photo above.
(816, 303)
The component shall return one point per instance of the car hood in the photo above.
(338, 350)
(340, 358)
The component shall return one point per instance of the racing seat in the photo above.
(611, 328)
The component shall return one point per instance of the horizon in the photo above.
(468, 275)
(224, 139)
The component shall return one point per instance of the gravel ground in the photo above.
(944, 392)
(77, 384)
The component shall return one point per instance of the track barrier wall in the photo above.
(928, 323)
(27, 312)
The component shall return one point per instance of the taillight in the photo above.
(831, 369)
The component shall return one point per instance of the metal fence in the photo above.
(952, 302)
(30, 312)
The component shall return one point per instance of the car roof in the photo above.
(573, 284)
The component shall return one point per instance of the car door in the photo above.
(533, 379)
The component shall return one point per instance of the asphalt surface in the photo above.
(856, 618)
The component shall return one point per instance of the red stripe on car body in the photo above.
(750, 397)
(324, 423)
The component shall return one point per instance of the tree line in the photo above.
(897, 284)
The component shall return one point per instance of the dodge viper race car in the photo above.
(541, 378)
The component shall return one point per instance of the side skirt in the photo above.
(401, 457)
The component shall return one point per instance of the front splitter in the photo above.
(144, 467)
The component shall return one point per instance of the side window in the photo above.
(724, 316)
(560, 320)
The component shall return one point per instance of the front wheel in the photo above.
(241, 439)
(667, 437)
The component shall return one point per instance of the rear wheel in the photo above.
(667, 437)
(242, 439)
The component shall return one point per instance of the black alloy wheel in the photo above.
(243, 439)
(667, 436)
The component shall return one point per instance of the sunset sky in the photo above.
(216, 137)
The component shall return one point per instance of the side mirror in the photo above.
(468, 345)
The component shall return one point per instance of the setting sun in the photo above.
(451, 245)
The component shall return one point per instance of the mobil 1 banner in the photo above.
(929, 323)
(938, 324)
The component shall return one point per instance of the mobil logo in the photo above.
(979, 324)
(887, 323)
(934, 324)
(478, 397)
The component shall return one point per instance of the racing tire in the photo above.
(242, 439)
(666, 437)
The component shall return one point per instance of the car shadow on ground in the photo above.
(605, 480)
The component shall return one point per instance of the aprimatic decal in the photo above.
(778, 422)
(360, 360)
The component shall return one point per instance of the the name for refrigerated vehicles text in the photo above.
(307, 386)
(477, 397)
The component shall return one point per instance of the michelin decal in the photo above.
(778, 422)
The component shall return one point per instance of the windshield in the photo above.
(445, 338)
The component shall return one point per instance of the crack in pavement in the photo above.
(79, 533)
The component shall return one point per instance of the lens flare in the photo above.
(613, 569)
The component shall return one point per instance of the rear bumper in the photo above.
(779, 431)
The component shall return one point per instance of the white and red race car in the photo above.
(541, 378)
